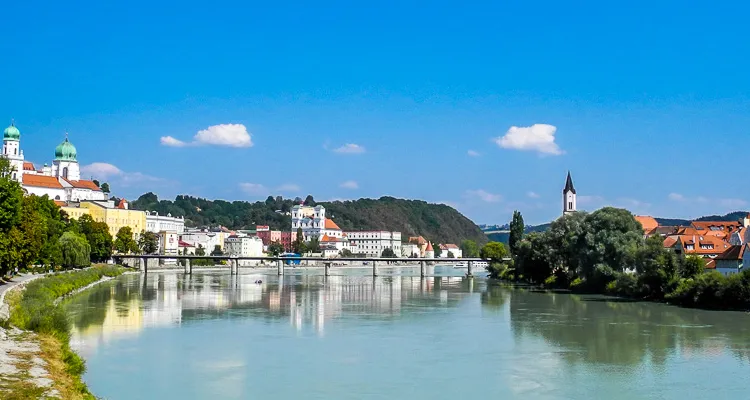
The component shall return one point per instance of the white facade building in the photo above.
(244, 246)
(206, 239)
(310, 219)
(372, 243)
(62, 181)
(410, 250)
(164, 223)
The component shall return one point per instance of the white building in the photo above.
(244, 246)
(410, 250)
(429, 252)
(569, 196)
(164, 223)
(372, 243)
(206, 239)
(450, 248)
(61, 181)
(310, 219)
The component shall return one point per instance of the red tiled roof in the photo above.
(732, 253)
(41, 181)
(670, 241)
(60, 203)
(184, 244)
(451, 246)
(28, 166)
(84, 184)
(648, 223)
(719, 246)
(123, 203)
(429, 247)
(417, 240)
(331, 225)
(327, 238)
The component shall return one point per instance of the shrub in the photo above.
(625, 285)
(550, 281)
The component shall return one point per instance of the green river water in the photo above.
(305, 336)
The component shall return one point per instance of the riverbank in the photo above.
(35, 357)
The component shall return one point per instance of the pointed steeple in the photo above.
(569, 185)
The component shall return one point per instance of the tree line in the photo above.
(605, 252)
(35, 231)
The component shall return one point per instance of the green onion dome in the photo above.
(11, 133)
(65, 151)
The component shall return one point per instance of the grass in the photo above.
(35, 309)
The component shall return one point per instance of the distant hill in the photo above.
(436, 222)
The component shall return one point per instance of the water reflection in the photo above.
(126, 306)
(598, 330)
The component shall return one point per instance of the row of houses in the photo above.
(723, 244)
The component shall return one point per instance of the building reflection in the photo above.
(126, 306)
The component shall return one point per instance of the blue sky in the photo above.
(648, 103)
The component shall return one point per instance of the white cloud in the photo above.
(538, 137)
(288, 187)
(349, 185)
(473, 153)
(117, 177)
(350, 148)
(483, 196)
(172, 142)
(253, 188)
(230, 135)
(532, 195)
(100, 170)
(676, 197)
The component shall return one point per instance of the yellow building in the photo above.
(115, 217)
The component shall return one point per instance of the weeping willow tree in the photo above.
(75, 250)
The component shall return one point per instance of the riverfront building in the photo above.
(244, 246)
(372, 243)
(60, 181)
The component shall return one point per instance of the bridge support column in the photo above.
(328, 268)
(280, 267)
(422, 266)
(374, 268)
(145, 265)
(189, 266)
(469, 269)
(236, 267)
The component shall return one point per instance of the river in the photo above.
(304, 336)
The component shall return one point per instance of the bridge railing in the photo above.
(234, 262)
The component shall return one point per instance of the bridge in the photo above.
(234, 262)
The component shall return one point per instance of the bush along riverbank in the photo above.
(605, 252)
(35, 309)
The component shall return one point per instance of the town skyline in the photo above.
(487, 117)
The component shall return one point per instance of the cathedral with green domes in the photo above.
(61, 181)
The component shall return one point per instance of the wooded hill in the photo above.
(436, 222)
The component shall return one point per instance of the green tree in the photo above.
(388, 253)
(451, 255)
(436, 249)
(469, 249)
(692, 266)
(495, 253)
(148, 242)
(105, 187)
(299, 246)
(275, 248)
(656, 268)
(124, 242)
(309, 201)
(346, 253)
(217, 251)
(98, 236)
(314, 245)
(516, 231)
(531, 260)
(200, 251)
(74, 250)
(96, 182)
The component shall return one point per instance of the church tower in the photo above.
(65, 164)
(12, 151)
(569, 196)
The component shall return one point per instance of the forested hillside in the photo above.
(436, 222)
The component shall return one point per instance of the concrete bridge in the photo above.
(234, 262)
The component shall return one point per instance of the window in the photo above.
(570, 205)
(65, 172)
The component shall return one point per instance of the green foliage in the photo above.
(11, 197)
(450, 254)
(411, 217)
(105, 187)
(275, 248)
(516, 231)
(148, 242)
(217, 251)
(532, 258)
(98, 237)
(494, 252)
(75, 250)
(388, 253)
(692, 266)
(36, 309)
(346, 253)
(469, 249)
(299, 246)
(124, 242)
(436, 249)
(314, 245)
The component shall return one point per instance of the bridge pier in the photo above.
(236, 267)
(280, 267)
(189, 266)
(145, 264)
(374, 268)
(469, 269)
(327, 268)
(422, 266)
